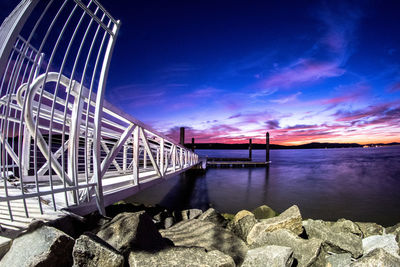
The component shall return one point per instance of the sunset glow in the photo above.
(229, 71)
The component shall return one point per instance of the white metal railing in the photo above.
(60, 140)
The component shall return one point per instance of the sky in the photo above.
(305, 71)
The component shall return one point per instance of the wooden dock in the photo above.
(236, 164)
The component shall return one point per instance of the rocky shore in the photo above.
(135, 235)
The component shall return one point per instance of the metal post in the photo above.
(250, 149)
(192, 144)
(144, 159)
(136, 156)
(162, 156)
(182, 136)
(267, 148)
(124, 158)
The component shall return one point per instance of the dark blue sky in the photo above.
(230, 70)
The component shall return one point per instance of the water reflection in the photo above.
(358, 184)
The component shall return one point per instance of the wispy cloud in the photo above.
(287, 99)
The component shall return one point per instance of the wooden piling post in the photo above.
(250, 149)
(182, 139)
(267, 147)
(192, 144)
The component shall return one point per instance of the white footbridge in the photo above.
(63, 146)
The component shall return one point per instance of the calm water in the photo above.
(354, 183)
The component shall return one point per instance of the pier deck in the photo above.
(236, 164)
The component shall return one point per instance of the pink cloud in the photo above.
(304, 71)
(353, 93)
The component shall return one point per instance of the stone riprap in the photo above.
(136, 235)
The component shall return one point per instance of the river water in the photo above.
(360, 184)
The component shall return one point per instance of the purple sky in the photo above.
(325, 71)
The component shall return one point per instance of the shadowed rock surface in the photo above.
(211, 215)
(91, 251)
(377, 257)
(242, 224)
(198, 233)
(273, 256)
(190, 214)
(304, 251)
(44, 246)
(181, 256)
(335, 240)
(290, 219)
(130, 230)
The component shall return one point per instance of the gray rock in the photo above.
(190, 214)
(91, 251)
(181, 256)
(198, 233)
(242, 226)
(274, 256)
(333, 239)
(168, 222)
(321, 258)
(377, 257)
(264, 212)
(290, 219)
(369, 229)
(164, 219)
(346, 226)
(396, 231)
(338, 260)
(213, 216)
(44, 246)
(304, 251)
(386, 242)
(132, 230)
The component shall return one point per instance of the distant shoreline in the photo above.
(313, 145)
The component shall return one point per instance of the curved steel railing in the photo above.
(61, 142)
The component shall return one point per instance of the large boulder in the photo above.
(304, 251)
(386, 242)
(242, 224)
(377, 257)
(274, 256)
(91, 251)
(290, 220)
(132, 230)
(264, 212)
(369, 229)
(198, 233)
(181, 256)
(334, 240)
(44, 246)
(213, 216)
